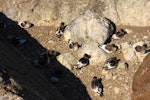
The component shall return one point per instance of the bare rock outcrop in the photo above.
(67, 59)
(47, 12)
(141, 81)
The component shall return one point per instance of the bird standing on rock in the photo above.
(118, 35)
(25, 24)
(60, 30)
(84, 61)
(97, 86)
(141, 49)
(73, 45)
(110, 48)
(111, 63)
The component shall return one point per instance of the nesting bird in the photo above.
(55, 78)
(110, 48)
(141, 49)
(118, 35)
(16, 41)
(60, 30)
(84, 61)
(97, 86)
(73, 45)
(111, 63)
(52, 54)
(25, 24)
(42, 60)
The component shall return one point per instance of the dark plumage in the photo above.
(84, 61)
(42, 60)
(118, 35)
(52, 54)
(111, 63)
(141, 49)
(73, 45)
(60, 30)
(97, 85)
(110, 48)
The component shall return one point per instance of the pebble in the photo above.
(116, 89)
(135, 36)
(129, 31)
(50, 41)
(145, 37)
(121, 66)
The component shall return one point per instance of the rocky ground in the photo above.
(117, 82)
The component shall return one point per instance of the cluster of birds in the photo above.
(111, 63)
(44, 58)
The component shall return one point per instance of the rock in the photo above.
(107, 74)
(48, 12)
(141, 81)
(128, 52)
(98, 56)
(10, 96)
(87, 28)
(67, 60)
(122, 65)
(116, 90)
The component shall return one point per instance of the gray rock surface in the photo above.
(98, 56)
(67, 59)
(87, 28)
(47, 12)
(128, 52)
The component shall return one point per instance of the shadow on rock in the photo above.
(35, 83)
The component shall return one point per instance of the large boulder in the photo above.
(98, 56)
(141, 81)
(87, 28)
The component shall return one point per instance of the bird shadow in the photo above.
(16, 61)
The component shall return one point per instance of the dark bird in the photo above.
(118, 35)
(60, 30)
(52, 54)
(73, 45)
(16, 41)
(111, 63)
(97, 86)
(25, 24)
(42, 60)
(141, 49)
(110, 48)
(84, 61)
